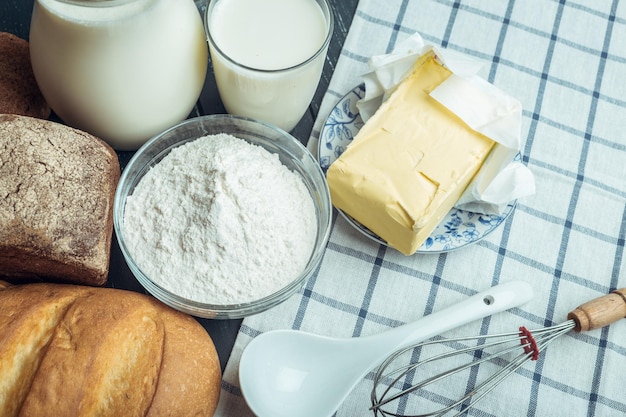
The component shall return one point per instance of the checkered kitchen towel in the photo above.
(566, 62)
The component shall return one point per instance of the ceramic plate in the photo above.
(457, 229)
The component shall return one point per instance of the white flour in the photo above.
(220, 221)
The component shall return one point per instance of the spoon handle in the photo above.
(494, 300)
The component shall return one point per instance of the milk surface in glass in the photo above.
(268, 55)
(123, 70)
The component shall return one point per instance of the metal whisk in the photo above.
(594, 314)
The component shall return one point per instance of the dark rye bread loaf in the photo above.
(57, 186)
(19, 92)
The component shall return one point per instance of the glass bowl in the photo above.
(291, 153)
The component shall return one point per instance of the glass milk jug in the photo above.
(122, 70)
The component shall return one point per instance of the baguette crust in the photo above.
(19, 92)
(26, 330)
(103, 352)
(56, 202)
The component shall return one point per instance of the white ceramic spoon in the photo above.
(288, 373)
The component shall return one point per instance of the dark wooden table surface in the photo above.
(15, 18)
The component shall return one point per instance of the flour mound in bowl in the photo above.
(220, 221)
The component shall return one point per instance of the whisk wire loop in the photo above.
(532, 342)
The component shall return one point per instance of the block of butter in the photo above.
(410, 163)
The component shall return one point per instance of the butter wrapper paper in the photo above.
(482, 106)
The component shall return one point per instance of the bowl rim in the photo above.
(208, 310)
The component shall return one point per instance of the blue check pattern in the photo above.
(566, 62)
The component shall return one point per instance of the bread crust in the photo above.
(104, 352)
(56, 202)
(19, 92)
(26, 330)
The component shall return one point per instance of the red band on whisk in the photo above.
(529, 343)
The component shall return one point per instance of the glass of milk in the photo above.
(122, 70)
(268, 55)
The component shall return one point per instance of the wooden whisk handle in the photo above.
(600, 312)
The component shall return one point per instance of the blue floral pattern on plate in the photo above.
(457, 229)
